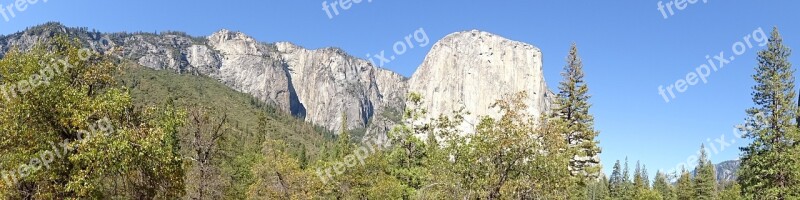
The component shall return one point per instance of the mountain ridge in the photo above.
(324, 86)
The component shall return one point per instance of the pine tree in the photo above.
(731, 192)
(641, 183)
(705, 181)
(280, 176)
(343, 144)
(684, 189)
(661, 186)
(638, 182)
(616, 183)
(405, 158)
(573, 109)
(598, 189)
(645, 177)
(628, 190)
(303, 158)
(770, 166)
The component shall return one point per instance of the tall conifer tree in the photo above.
(705, 180)
(573, 110)
(771, 163)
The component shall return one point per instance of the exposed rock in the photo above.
(473, 69)
(330, 82)
(203, 59)
(255, 68)
(726, 171)
(467, 69)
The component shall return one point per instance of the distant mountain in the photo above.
(469, 69)
(726, 171)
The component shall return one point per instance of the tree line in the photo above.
(170, 152)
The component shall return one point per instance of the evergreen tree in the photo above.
(598, 189)
(684, 189)
(638, 181)
(770, 166)
(616, 183)
(573, 109)
(405, 158)
(303, 158)
(731, 192)
(628, 190)
(280, 176)
(662, 186)
(705, 181)
(641, 183)
(645, 177)
(343, 144)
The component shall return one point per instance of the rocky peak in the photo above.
(473, 69)
(234, 43)
(469, 69)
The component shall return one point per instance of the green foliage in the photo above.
(280, 176)
(578, 124)
(705, 180)
(343, 144)
(731, 192)
(646, 194)
(182, 136)
(684, 189)
(663, 187)
(406, 157)
(770, 166)
(131, 152)
(616, 184)
(250, 123)
(641, 183)
(506, 158)
(500, 149)
(598, 189)
(638, 177)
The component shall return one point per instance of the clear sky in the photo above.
(629, 49)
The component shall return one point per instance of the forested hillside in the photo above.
(83, 124)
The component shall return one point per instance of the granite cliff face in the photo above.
(473, 69)
(468, 69)
(329, 82)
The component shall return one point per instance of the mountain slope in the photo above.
(242, 143)
(470, 69)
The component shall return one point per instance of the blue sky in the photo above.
(628, 49)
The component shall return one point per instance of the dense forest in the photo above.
(82, 125)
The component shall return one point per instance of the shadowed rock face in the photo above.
(467, 69)
(473, 69)
(254, 68)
